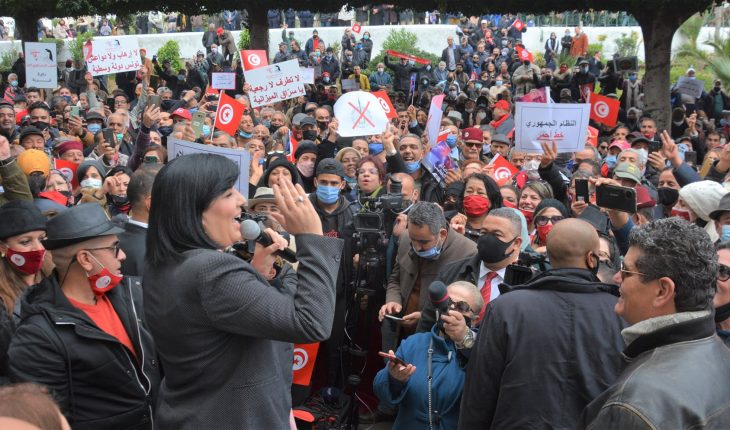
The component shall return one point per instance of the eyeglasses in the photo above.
(462, 307)
(542, 220)
(623, 270)
(371, 171)
(114, 248)
(723, 273)
(473, 144)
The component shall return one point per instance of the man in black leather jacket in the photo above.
(546, 348)
(82, 332)
(677, 367)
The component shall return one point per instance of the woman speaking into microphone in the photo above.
(224, 333)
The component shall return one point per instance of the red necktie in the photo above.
(487, 292)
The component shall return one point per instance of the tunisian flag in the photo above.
(503, 170)
(518, 25)
(604, 109)
(228, 115)
(253, 59)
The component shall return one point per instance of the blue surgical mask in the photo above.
(206, 130)
(632, 78)
(451, 141)
(245, 135)
(413, 166)
(478, 86)
(366, 37)
(351, 181)
(725, 234)
(14, 83)
(267, 123)
(120, 137)
(375, 148)
(498, 83)
(91, 183)
(569, 165)
(611, 161)
(682, 148)
(429, 254)
(327, 194)
(94, 128)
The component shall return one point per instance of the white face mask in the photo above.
(91, 183)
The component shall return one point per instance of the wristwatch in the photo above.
(467, 342)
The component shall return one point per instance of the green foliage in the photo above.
(244, 39)
(628, 45)
(594, 47)
(7, 59)
(170, 51)
(76, 46)
(689, 49)
(401, 41)
(59, 43)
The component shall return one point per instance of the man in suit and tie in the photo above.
(498, 247)
(132, 241)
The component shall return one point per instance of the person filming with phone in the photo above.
(425, 376)
(223, 327)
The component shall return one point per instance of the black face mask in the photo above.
(309, 135)
(493, 250)
(165, 131)
(120, 201)
(40, 125)
(595, 268)
(722, 313)
(667, 196)
(322, 125)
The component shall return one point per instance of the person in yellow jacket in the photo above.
(362, 80)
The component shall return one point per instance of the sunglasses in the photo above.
(629, 272)
(542, 220)
(473, 144)
(462, 307)
(723, 273)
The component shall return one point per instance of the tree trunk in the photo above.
(658, 28)
(259, 28)
(27, 27)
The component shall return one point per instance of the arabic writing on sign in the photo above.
(553, 123)
(114, 56)
(275, 83)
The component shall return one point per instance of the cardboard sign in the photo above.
(116, 55)
(223, 81)
(228, 114)
(625, 64)
(307, 74)
(253, 59)
(604, 109)
(566, 124)
(349, 85)
(386, 104)
(691, 87)
(275, 83)
(360, 114)
(41, 70)
(305, 355)
(178, 148)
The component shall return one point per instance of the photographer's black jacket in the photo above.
(544, 351)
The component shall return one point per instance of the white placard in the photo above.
(41, 68)
(224, 81)
(349, 85)
(360, 114)
(307, 75)
(116, 55)
(692, 87)
(566, 124)
(242, 158)
(275, 83)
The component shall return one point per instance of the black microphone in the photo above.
(439, 296)
(250, 230)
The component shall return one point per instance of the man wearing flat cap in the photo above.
(82, 333)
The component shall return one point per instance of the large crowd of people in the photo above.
(130, 298)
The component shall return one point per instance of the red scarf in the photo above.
(497, 122)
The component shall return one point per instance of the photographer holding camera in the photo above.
(549, 346)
